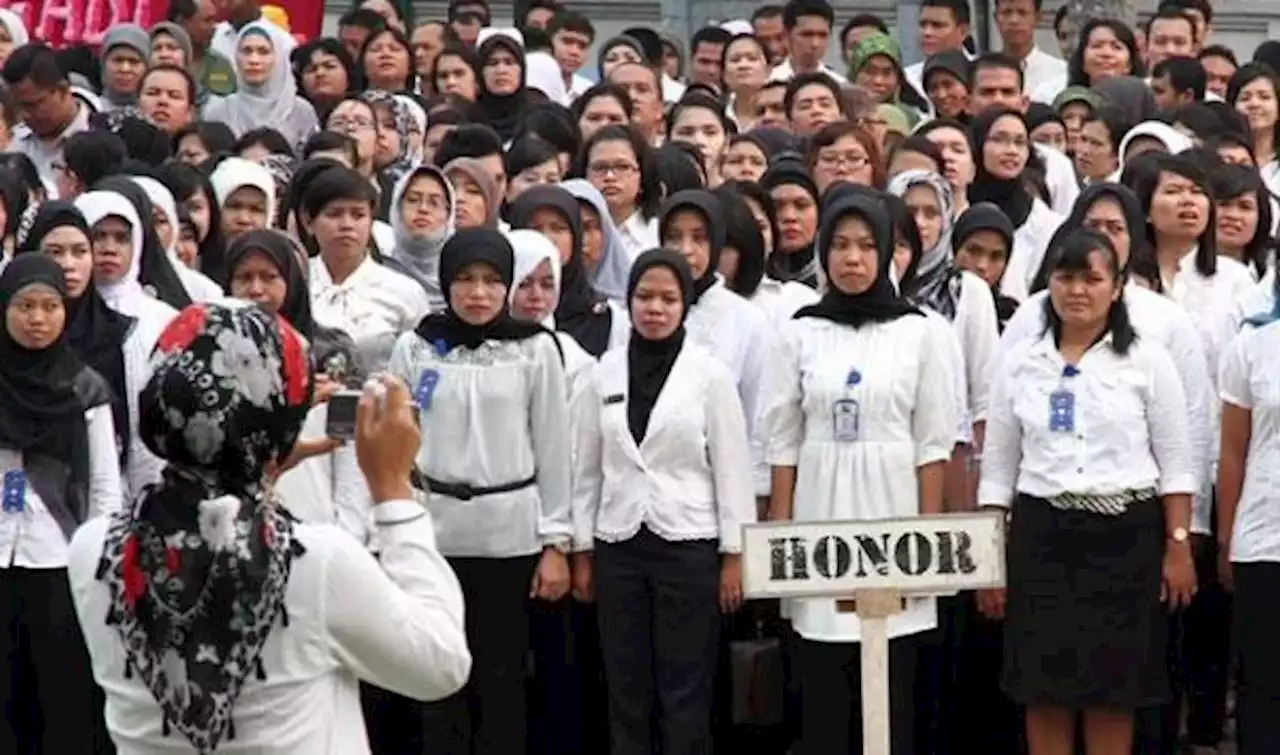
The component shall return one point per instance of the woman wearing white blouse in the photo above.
(60, 468)
(214, 619)
(662, 489)
(350, 288)
(1248, 533)
(616, 160)
(1088, 448)
(860, 423)
(496, 456)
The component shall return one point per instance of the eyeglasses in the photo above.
(621, 170)
(834, 159)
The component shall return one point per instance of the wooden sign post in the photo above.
(877, 564)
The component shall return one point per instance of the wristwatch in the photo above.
(1179, 535)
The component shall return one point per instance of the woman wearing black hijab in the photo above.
(796, 201)
(665, 459)
(860, 424)
(60, 468)
(495, 457)
(582, 313)
(117, 346)
(500, 78)
(155, 271)
(730, 327)
(1003, 159)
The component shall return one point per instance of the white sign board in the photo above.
(924, 555)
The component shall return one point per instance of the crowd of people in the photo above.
(406, 391)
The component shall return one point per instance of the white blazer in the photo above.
(690, 477)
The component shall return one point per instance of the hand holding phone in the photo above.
(341, 422)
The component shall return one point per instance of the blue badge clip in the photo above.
(440, 346)
(1070, 371)
(426, 388)
(15, 491)
(854, 378)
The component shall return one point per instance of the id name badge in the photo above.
(426, 388)
(15, 491)
(1062, 411)
(844, 420)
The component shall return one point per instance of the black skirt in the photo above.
(1085, 627)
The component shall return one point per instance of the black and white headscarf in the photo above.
(198, 568)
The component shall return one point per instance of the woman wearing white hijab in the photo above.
(199, 287)
(243, 180)
(543, 74)
(266, 93)
(1172, 140)
(417, 127)
(534, 293)
(122, 292)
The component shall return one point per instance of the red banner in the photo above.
(61, 23)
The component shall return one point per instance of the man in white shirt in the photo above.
(51, 112)
(944, 24)
(1016, 24)
(808, 24)
(239, 14)
(998, 82)
(771, 31)
(572, 34)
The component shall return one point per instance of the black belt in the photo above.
(464, 492)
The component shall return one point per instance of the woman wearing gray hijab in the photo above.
(422, 218)
(1130, 95)
(170, 45)
(608, 267)
(125, 52)
(266, 93)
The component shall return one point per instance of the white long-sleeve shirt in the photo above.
(977, 328)
(1030, 242)
(374, 305)
(396, 622)
(1129, 425)
(329, 489)
(688, 479)
(497, 415)
(1250, 379)
(32, 538)
(1161, 321)
(142, 468)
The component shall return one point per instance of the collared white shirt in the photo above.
(737, 333)
(1059, 179)
(1048, 91)
(496, 415)
(638, 235)
(977, 331)
(779, 300)
(396, 623)
(1209, 300)
(45, 153)
(1030, 241)
(672, 90)
(1129, 425)
(1250, 379)
(374, 305)
(1259, 299)
(225, 36)
(690, 476)
(1159, 320)
(784, 71)
(1040, 68)
(895, 379)
(31, 538)
(143, 468)
(578, 86)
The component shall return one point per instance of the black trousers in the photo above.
(488, 716)
(659, 633)
(830, 676)
(1256, 625)
(985, 719)
(568, 702)
(51, 703)
(1206, 644)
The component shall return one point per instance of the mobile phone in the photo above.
(341, 422)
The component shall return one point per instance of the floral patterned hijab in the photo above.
(198, 568)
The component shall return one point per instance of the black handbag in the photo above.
(758, 679)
